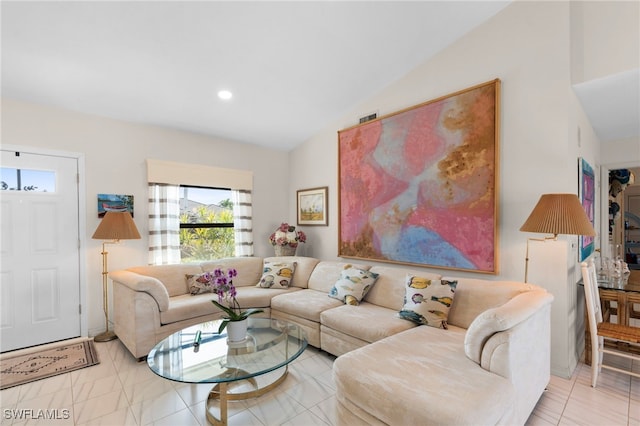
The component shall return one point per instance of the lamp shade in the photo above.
(117, 226)
(559, 214)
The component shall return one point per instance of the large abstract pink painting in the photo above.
(419, 186)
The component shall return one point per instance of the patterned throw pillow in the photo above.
(277, 274)
(428, 301)
(353, 285)
(198, 284)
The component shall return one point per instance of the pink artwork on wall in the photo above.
(587, 198)
(419, 186)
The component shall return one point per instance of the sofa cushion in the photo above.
(304, 268)
(305, 303)
(249, 269)
(366, 321)
(474, 296)
(353, 285)
(337, 343)
(428, 301)
(255, 297)
(172, 276)
(389, 288)
(277, 274)
(187, 306)
(428, 375)
(325, 274)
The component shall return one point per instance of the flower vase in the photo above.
(237, 330)
(285, 250)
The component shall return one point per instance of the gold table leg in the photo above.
(220, 392)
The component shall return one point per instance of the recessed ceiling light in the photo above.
(225, 95)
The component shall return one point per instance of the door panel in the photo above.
(45, 288)
(7, 300)
(40, 287)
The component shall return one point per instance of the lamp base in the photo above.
(107, 336)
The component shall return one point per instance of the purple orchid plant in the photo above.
(222, 283)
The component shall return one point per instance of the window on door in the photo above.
(206, 223)
(27, 180)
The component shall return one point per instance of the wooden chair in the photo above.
(600, 331)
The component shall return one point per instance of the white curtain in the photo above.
(242, 222)
(164, 224)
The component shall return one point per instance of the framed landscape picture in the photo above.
(312, 206)
(115, 203)
(419, 186)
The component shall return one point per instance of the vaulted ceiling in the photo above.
(612, 105)
(293, 67)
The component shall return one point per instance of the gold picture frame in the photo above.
(312, 206)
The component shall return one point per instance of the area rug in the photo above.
(49, 362)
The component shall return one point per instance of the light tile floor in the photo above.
(121, 391)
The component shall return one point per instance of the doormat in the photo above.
(49, 362)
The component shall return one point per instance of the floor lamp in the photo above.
(556, 214)
(115, 226)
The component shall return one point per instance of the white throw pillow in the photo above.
(427, 301)
(353, 285)
(277, 274)
(199, 284)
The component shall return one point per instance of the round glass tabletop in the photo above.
(270, 344)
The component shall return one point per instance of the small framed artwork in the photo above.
(587, 191)
(313, 206)
(115, 203)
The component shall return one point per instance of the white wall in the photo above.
(621, 153)
(611, 37)
(526, 46)
(115, 154)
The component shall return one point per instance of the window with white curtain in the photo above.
(169, 183)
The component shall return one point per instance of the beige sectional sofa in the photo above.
(153, 302)
(489, 367)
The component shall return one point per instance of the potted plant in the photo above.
(285, 240)
(235, 318)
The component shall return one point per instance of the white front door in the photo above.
(39, 253)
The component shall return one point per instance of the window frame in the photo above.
(206, 225)
(204, 241)
(176, 174)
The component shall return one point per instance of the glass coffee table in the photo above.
(269, 348)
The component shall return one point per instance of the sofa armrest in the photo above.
(502, 318)
(522, 354)
(144, 283)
